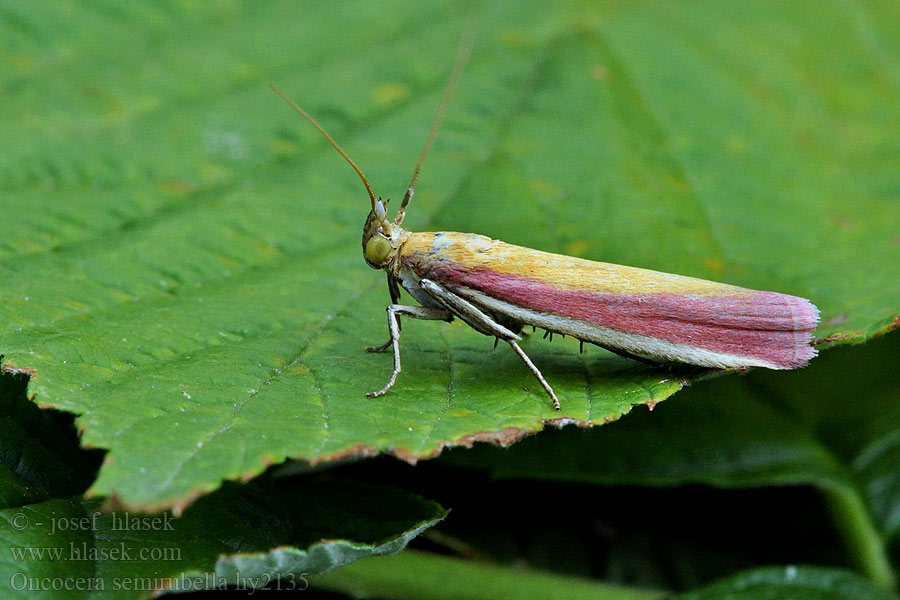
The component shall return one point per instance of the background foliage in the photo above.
(180, 269)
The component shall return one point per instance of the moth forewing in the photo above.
(664, 316)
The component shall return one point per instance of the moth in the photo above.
(497, 288)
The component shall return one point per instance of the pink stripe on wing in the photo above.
(765, 325)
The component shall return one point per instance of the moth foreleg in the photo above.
(416, 312)
(478, 320)
(394, 291)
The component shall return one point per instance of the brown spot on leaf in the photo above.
(561, 422)
(836, 337)
(713, 264)
(844, 222)
(267, 461)
(600, 72)
(114, 502)
(178, 188)
(13, 369)
(503, 438)
(354, 451)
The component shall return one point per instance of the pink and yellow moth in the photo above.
(497, 288)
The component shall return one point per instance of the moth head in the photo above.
(381, 238)
(377, 238)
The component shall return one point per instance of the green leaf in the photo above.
(179, 254)
(271, 531)
(424, 576)
(248, 536)
(419, 575)
(797, 583)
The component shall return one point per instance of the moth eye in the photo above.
(377, 249)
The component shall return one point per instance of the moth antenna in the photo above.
(330, 139)
(462, 57)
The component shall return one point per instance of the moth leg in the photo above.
(479, 321)
(394, 290)
(384, 346)
(536, 372)
(416, 312)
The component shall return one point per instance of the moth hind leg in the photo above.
(536, 372)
